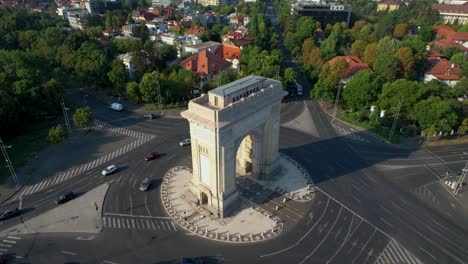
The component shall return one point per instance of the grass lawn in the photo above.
(25, 146)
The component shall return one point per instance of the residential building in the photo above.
(354, 64)
(129, 30)
(237, 39)
(322, 11)
(75, 17)
(211, 46)
(157, 28)
(206, 65)
(452, 13)
(447, 37)
(229, 53)
(239, 19)
(217, 2)
(442, 70)
(179, 42)
(389, 5)
(127, 61)
(196, 31)
(164, 3)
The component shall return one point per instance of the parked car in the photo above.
(116, 107)
(109, 170)
(152, 156)
(299, 89)
(65, 198)
(150, 116)
(145, 184)
(185, 142)
(10, 213)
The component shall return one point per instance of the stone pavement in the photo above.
(78, 215)
(265, 207)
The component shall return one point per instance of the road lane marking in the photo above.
(425, 251)
(302, 238)
(13, 237)
(110, 262)
(171, 157)
(9, 241)
(5, 245)
(175, 229)
(325, 238)
(68, 252)
(365, 245)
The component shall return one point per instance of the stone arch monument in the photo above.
(237, 119)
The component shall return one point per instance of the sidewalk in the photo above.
(256, 219)
(78, 215)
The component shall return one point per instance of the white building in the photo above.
(164, 3)
(217, 2)
(179, 42)
(157, 28)
(209, 45)
(75, 17)
(127, 61)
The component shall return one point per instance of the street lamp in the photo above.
(9, 165)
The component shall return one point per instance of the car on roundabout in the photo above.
(145, 184)
(185, 142)
(109, 170)
(152, 156)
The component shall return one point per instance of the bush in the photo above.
(83, 117)
(56, 134)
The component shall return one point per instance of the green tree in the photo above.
(323, 90)
(406, 60)
(305, 28)
(83, 117)
(401, 30)
(436, 113)
(118, 76)
(109, 22)
(463, 128)
(386, 65)
(459, 58)
(361, 91)
(132, 92)
(409, 92)
(56, 134)
(358, 48)
(426, 33)
(148, 86)
(311, 53)
(370, 54)
(289, 76)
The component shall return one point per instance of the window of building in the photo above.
(216, 101)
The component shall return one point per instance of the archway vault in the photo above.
(220, 121)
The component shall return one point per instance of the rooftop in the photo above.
(236, 86)
(204, 45)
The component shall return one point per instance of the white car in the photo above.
(185, 142)
(145, 184)
(109, 170)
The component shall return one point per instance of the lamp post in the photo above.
(9, 165)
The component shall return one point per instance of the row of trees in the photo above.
(397, 58)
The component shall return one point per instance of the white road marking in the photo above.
(110, 262)
(171, 157)
(13, 237)
(3, 249)
(5, 245)
(365, 245)
(425, 251)
(175, 229)
(68, 252)
(9, 241)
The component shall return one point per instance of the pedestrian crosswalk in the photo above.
(396, 253)
(122, 131)
(70, 173)
(7, 244)
(426, 195)
(348, 134)
(138, 223)
(393, 167)
(440, 169)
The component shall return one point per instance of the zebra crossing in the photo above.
(122, 131)
(349, 135)
(395, 253)
(7, 244)
(70, 173)
(162, 224)
(394, 167)
(440, 169)
(426, 195)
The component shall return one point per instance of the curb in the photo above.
(215, 236)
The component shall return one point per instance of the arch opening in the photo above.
(247, 156)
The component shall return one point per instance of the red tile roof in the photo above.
(205, 62)
(445, 8)
(228, 52)
(195, 30)
(448, 38)
(149, 16)
(239, 39)
(354, 64)
(443, 69)
(460, 36)
(434, 54)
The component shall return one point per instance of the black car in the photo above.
(65, 198)
(10, 213)
(150, 116)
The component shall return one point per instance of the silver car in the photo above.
(109, 170)
(185, 142)
(145, 184)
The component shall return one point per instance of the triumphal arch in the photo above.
(234, 130)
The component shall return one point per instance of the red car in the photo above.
(152, 156)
